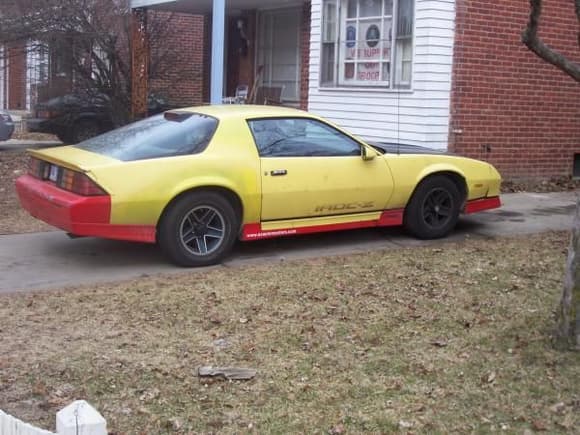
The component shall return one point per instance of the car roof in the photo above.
(223, 111)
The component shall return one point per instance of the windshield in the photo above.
(164, 135)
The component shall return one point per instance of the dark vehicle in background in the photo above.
(74, 118)
(6, 126)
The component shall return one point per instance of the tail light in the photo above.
(35, 168)
(79, 183)
(66, 179)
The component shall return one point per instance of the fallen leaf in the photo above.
(489, 378)
(229, 373)
(558, 408)
(176, 424)
(149, 395)
(405, 424)
(567, 423)
(39, 389)
(143, 410)
(215, 319)
(440, 342)
(337, 430)
(539, 425)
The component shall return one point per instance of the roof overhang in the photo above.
(205, 6)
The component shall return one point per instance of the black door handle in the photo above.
(278, 172)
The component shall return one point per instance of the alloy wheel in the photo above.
(437, 208)
(202, 230)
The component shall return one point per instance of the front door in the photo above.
(310, 169)
(279, 51)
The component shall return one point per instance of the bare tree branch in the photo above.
(98, 43)
(531, 39)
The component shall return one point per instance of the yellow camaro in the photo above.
(195, 180)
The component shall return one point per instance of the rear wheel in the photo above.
(64, 137)
(434, 208)
(199, 229)
(84, 129)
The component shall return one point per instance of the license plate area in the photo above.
(53, 173)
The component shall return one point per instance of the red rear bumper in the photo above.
(79, 215)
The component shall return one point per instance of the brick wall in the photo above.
(16, 66)
(304, 54)
(506, 99)
(181, 75)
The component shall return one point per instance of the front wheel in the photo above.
(434, 208)
(198, 230)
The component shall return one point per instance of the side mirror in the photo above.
(367, 153)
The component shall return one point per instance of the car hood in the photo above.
(394, 148)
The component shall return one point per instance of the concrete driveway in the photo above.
(52, 260)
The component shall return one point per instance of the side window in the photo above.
(299, 137)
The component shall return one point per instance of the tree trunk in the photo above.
(568, 332)
(531, 39)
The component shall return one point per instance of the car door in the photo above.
(310, 169)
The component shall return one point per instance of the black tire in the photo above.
(84, 129)
(199, 229)
(64, 138)
(434, 208)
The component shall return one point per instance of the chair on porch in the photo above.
(240, 97)
(269, 95)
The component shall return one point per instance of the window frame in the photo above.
(358, 142)
(340, 22)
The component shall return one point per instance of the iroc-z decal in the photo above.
(343, 206)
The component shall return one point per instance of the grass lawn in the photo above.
(425, 340)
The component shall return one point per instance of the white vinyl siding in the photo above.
(419, 116)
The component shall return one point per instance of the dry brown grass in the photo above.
(33, 136)
(13, 219)
(450, 339)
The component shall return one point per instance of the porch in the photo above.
(255, 49)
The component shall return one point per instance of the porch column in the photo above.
(139, 63)
(217, 51)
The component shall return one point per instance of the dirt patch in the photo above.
(13, 219)
(561, 184)
(438, 340)
(25, 135)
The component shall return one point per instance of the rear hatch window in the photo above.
(169, 134)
